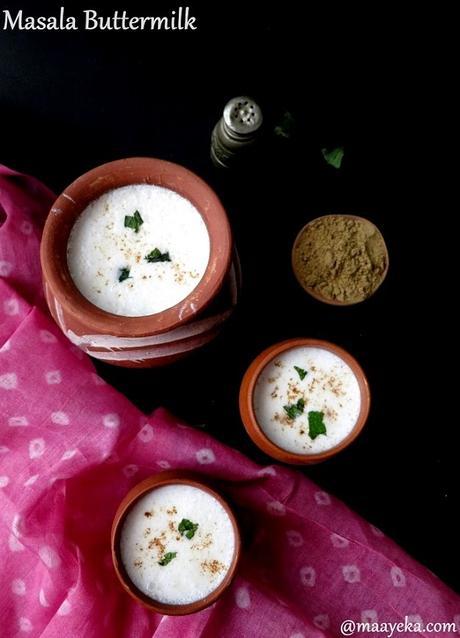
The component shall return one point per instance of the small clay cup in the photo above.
(154, 339)
(170, 477)
(316, 295)
(247, 406)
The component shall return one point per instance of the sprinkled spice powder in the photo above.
(340, 258)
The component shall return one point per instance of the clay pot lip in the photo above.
(170, 477)
(118, 173)
(316, 295)
(247, 408)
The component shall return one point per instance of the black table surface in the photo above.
(70, 101)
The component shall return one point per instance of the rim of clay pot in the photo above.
(90, 186)
(169, 477)
(318, 296)
(246, 403)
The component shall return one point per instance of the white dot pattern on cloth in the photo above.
(49, 556)
(276, 508)
(8, 381)
(47, 337)
(18, 587)
(4, 449)
(42, 598)
(11, 307)
(205, 456)
(68, 454)
(26, 227)
(4, 481)
(322, 498)
(64, 609)
(339, 541)
(295, 538)
(31, 480)
(60, 418)
(369, 615)
(36, 448)
(111, 420)
(53, 377)
(130, 470)
(15, 544)
(25, 624)
(243, 598)
(322, 621)
(267, 471)
(145, 434)
(18, 421)
(397, 576)
(165, 465)
(351, 574)
(6, 268)
(308, 576)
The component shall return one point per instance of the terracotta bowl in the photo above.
(154, 339)
(170, 477)
(247, 408)
(316, 295)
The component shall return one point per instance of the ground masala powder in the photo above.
(340, 258)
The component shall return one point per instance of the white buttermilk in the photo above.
(329, 387)
(151, 532)
(100, 247)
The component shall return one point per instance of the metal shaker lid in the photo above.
(242, 116)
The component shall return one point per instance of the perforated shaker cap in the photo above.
(242, 115)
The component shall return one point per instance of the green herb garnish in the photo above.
(316, 424)
(286, 126)
(167, 558)
(301, 372)
(295, 410)
(124, 274)
(187, 527)
(134, 221)
(156, 255)
(334, 156)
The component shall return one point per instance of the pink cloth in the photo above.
(71, 447)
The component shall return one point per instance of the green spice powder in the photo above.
(340, 258)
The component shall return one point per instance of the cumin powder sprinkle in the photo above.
(340, 258)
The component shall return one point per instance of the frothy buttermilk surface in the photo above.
(108, 260)
(177, 544)
(307, 400)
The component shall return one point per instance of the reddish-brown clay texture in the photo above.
(154, 339)
(170, 477)
(247, 408)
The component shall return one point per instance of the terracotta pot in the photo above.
(170, 477)
(316, 295)
(158, 338)
(247, 408)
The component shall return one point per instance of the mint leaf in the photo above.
(316, 424)
(167, 558)
(301, 372)
(334, 156)
(124, 274)
(134, 221)
(295, 410)
(187, 527)
(156, 255)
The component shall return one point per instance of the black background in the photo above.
(69, 101)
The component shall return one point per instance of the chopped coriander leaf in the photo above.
(187, 527)
(316, 424)
(295, 410)
(156, 255)
(167, 558)
(124, 274)
(301, 372)
(334, 156)
(134, 221)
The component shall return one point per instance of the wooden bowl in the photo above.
(153, 339)
(247, 405)
(316, 295)
(170, 477)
